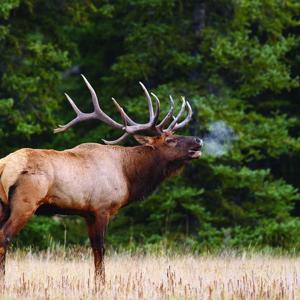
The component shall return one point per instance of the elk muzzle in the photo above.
(194, 151)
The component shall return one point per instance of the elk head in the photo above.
(173, 147)
(160, 134)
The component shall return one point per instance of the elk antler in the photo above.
(130, 126)
(96, 114)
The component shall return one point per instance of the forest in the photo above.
(238, 64)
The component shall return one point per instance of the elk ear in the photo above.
(144, 140)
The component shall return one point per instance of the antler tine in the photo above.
(169, 115)
(151, 112)
(151, 125)
(74, 106)
(125, 117)
(93, 94)
(98, 111)
(187, 119)
(122, 112)
(80, 117)
(157, 109)
(172, 125)
(114, 142)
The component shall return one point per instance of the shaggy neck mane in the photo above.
(145, 169)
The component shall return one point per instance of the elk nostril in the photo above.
(198, 141)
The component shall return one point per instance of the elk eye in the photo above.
(171, 141)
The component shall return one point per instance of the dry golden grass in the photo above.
(47, 276)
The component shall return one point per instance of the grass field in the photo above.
(57, 276)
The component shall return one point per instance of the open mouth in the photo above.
(195, 152)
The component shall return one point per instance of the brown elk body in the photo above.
(91, 180)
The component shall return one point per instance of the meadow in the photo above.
(69, 275)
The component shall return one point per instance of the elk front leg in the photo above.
(96, 229)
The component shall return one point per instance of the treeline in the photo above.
(237, 62)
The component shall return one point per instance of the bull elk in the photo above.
(93, 180)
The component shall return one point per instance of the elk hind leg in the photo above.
(19, 216)
(23, 203)
(4, 213)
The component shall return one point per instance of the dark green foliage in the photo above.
(42, 232)
(34, 51)
(239, 66)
